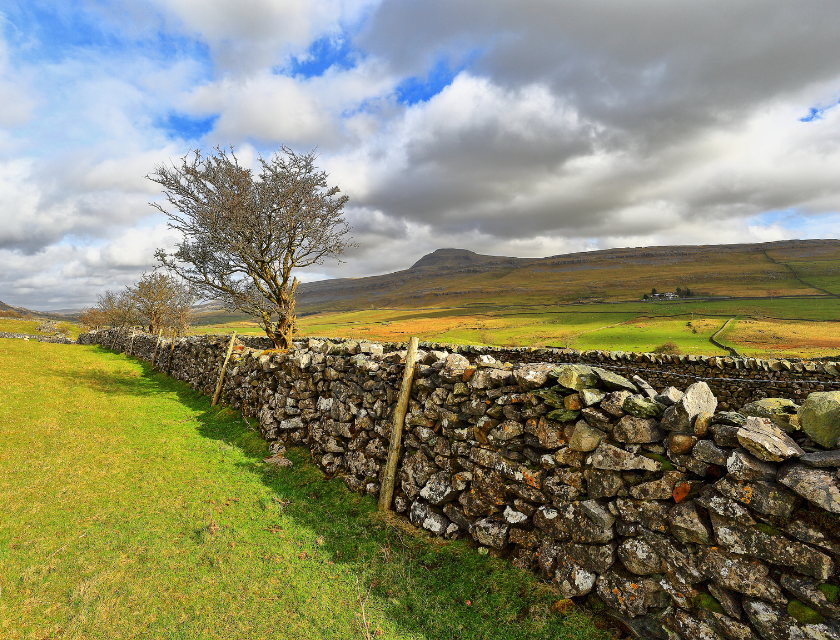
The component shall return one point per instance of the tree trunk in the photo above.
(282, 332)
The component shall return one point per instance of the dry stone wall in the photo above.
(687, 518)
(26, 336)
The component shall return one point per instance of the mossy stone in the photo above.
(830, 591)
(803, 613)
(705, 601)
(666, 464)
(766, 528)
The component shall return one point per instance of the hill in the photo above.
(457, 277)
(10, 311)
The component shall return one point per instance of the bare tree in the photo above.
(118, 309)
(244, 234)
(179, 313)
(93, 318)
(162, 301)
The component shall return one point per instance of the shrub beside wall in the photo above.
(687, 518)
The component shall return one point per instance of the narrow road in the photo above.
(713, 339)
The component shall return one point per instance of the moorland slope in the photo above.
(456, 277)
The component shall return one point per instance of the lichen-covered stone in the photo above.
(690, 627)
(817, 486)
(531, 376)
(626, 594)
(777, 549)
(822, 458)
(819, 417)
(491, 532)
(614, 381)
(422, 516)
(590, 397)
(614, 402)
(739, 574)
(688, 523)
(570, 522)
(808, 591)
(607, 456)
(668, 397)
(740, 465)
(438, 489)
(651, 515)
(639, 557)
(778, 410)
(631, 429)
(572, 579)
(597, 513)
(575, 376)
(507, 430)
(707, 451)
(661, 489)
(766, 441)
(585, 438)
(711, 500)
(642, 407)
(696, 399)
(603, 484)
(761, 496)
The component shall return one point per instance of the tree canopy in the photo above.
(243, 234)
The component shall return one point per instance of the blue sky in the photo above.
(523, 130)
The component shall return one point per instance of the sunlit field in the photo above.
(772, 327)
(133, 509)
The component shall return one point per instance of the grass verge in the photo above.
(131, 508)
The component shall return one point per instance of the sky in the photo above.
(528, 128)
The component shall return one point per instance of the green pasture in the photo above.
(13, 325)
(132, 509)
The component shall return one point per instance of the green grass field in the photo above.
(11, 325)
(132, 509)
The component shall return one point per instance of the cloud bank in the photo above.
(522, 129)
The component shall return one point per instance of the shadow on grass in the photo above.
(430, 587)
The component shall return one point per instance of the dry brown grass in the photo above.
(791, 338)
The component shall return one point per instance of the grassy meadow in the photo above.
(770, 327)
(132, 509)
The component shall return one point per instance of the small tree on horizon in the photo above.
(243, 235)
(162, 301)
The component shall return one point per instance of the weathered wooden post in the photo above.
(171, 352)
(222, 372)
(131, 342)
(157, 344)
(386, 492)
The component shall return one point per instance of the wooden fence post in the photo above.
(222, 372)
(171, 352)
(386, 492)
(114, 341)
(131, 343)
(157, 344)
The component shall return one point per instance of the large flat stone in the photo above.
(697, 398)
(739, 574)
(778, 410)
(635, 430)
(606, 456)
(766, 441)
(817, 486)
(776, 549)
(819, 417)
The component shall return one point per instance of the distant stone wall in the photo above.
(26, 336)
(687, 519)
